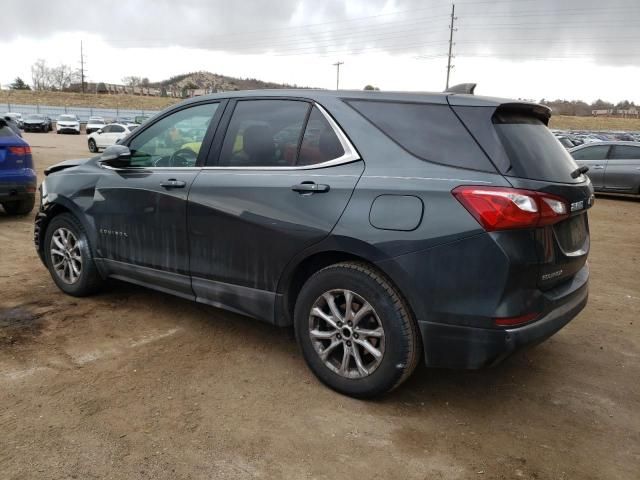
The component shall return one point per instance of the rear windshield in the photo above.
(519, 144)
(533, 151)
(6, 132)
(431, 132)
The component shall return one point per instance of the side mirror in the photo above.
(99, 132)
(116, 156)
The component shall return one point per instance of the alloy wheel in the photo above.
(346, 333)
(66, 257)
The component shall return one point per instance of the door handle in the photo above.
(598, 167)
(310, 187)
(173, 183)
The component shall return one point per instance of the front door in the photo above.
(283, 176)
(140, 211)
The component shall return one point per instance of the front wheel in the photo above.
(69, 258)
(355, 331)
(93, 148)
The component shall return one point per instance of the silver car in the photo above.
(613, 166)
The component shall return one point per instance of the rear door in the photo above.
(593, 156)
(623, 169)
(278, 181)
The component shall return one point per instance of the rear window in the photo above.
(428, 131)
(6, 132)
(532, 149)
(595, 152)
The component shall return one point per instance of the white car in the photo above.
(94, 124)
(108, 135)
(68, 123)
(16, 117)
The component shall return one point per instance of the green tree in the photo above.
(371, 87)
(18, 84)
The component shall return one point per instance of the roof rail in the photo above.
(462, 88)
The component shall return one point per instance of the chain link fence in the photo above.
(83, 113)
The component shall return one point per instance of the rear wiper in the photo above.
(579, 171)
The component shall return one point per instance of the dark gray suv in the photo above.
(385, 227)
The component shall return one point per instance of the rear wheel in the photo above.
(21, 207)
(355, 331)
(69, 258)
(93, 148)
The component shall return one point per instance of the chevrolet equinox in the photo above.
(385, 227)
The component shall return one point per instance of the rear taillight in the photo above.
(20, 150)
(501, 208)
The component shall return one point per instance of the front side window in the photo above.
(264, 133)
(625, 152)
(106, 128)
(596, 152)
(175, 140)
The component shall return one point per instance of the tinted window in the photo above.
(106, 129)
(623, 152)
(595, 152)
(6, 132)
(35, 117)
(175, 140)
(67, 118)
(264, 133)
(319, 143)
(532, 149)
(428, 131)
(117, 128)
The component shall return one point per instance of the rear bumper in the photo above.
(456, 346)
(18, 185)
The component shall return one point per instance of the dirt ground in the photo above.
(134, 384)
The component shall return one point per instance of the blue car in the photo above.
(18, 181)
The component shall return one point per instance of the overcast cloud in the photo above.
(560, 32)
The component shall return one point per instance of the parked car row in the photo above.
(573, 138)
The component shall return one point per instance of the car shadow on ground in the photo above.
(471, 387)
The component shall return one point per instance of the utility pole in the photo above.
(81, 68)
(337, 65)
(451, 30)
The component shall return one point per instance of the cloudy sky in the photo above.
(518, 48)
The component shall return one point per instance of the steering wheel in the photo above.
(185, 157)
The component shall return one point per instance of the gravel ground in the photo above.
(136, 384)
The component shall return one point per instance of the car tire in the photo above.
(21, 207)
(93, 148)
(70, 263)
(388, 328)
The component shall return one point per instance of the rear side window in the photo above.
(319, 143)
(595, 152)
(264, 133)
(532, 149)
(428, 131)
(117, 129)
(625, 152)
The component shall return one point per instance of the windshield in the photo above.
(68, 118)
(97, 120)
(35, 117)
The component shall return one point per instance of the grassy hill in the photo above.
(27, 97)
(594, 123)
